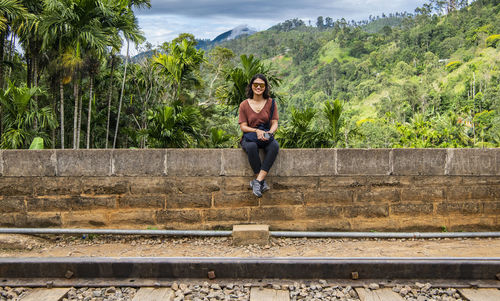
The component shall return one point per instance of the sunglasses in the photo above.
(261, 85)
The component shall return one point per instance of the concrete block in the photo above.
(418, 161)
(139, 162)
(473, 161)
(306, 162)
(363, 161)
(235, 163)
(29, 163)
(84, 162)
(250, 234)
(194, 162)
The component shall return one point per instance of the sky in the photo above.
(206, 19)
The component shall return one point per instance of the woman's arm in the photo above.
(245, 129)
(274, 126)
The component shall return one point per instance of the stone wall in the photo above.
(311, 189)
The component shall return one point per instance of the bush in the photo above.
(493, 40)
(451, 66)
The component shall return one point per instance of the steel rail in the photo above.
(216, 233)
(463, 268)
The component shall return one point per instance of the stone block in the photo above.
(283, 198)
(196, 184)
(56, 186)
(139, 162)
(363, 161)
(12, 204)
(18, 186)
(263, 214)
(151, 185)
(189, 200)
(235, 163)
(306, 162)
(29, 163)
(378, 195)
(225, 215)
(491, 207)
(446, 208)
(58, 204)
(239, 184)
(194, 162)
(250, 234)
(84, 218)
(84, 162)
(235, 199)
(412, 209)
(371, 211)
(132, 218)
(462, 193)
(7, 220)
(440, 181)
(142, 201)
(333, 183)
(38, 220)
(422, 194)
(418, 161)
(95, 202)
(473, 161)
(319, 212)
(104, 185)
(300, 184)
(333, 197)
(178, 216)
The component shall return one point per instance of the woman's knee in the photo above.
(251, 147)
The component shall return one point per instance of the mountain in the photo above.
(239, 31)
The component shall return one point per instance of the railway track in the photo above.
(474, 279)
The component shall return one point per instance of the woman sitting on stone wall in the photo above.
(258, 119)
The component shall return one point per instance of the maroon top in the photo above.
(253, 119)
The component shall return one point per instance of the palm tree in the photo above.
(23, 120)
(179, 64)
(130, 29)
(237, 79)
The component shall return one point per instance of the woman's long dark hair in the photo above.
(249, 87)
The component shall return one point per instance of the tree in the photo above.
(22, 119)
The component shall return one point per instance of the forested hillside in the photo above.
(430, 80)
(425, 79)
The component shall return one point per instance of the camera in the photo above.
(267, 135)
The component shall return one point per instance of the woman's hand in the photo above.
(260, 135)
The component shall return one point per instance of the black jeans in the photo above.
(252, 150)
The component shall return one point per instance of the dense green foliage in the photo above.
(428, 79)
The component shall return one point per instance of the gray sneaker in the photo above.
(256, 187)
(264, 187)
